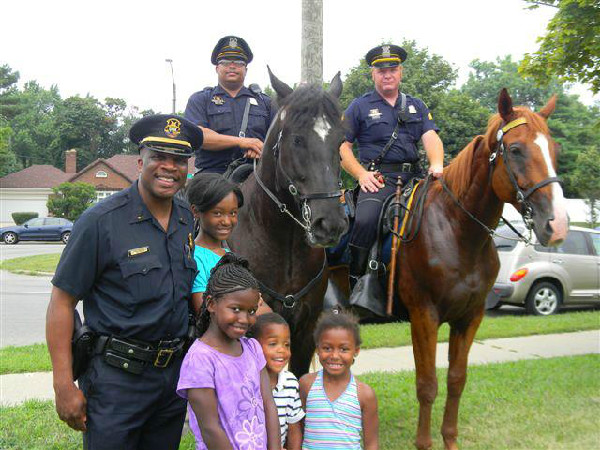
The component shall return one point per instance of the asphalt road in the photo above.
(23, 298)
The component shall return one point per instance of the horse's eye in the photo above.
(515, 150)
(297, 140)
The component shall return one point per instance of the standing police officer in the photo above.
(387, 125)
(234, 118)
(130, 259)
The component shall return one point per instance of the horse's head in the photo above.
(305, 139)
(525, 175)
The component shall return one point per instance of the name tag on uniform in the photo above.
(253, 102)
(137, 251)
(411, 109)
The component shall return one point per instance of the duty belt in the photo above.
(394, 167)
(133, 355)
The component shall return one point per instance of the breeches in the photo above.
(368, 208)
(126, 411)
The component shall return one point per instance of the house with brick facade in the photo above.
(28, 190)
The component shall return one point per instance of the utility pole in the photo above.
(312, 42)
(170, 61)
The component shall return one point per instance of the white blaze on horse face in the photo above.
(560, 223)
(322, 127)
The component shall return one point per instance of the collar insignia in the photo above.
(411, 109)
(374, 114)
(233, 42)
(217, 100)
(173, 128)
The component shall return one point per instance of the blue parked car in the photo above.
(38, 229)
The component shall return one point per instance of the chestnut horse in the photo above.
(292, 209)
(447, 270)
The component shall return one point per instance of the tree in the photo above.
(488, 78)
(460, 118)
(8, 159)
(70, 200)
(586, 179)
(571, 47)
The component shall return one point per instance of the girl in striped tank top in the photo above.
(339, 409)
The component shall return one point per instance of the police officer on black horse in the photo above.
(130, 260)
(387, 125)
(234, 118)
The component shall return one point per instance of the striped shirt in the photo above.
(287, 400)
(332, 425)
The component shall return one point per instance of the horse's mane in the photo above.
(458, 173)
(306, 103)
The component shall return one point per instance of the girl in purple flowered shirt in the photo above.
(223, 375)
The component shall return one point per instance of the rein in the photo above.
(526, 209)
(289, 301)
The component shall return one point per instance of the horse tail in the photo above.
(203, 320)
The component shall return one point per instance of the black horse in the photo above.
(293, 209)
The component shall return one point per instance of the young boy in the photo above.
(273, 333)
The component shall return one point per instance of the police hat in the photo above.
(167, 133)
(231, 47)
(386, 55)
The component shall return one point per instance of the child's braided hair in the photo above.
(230, 274)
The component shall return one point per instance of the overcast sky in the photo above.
(114, 48)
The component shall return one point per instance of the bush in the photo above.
(21, 217)
(70, 200)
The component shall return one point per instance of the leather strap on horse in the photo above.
(289, 301)
(372, 166)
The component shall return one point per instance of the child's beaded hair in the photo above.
(230, 274)
(263, 321)
(208, 189)
(334, 319)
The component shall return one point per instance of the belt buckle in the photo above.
(163, 358)
(406, 167)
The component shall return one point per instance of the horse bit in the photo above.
(526, 210)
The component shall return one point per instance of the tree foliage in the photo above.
(585, 178)
(42, 125)
(571, 47)
(70, 200)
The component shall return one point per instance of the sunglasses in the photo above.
(235, 62)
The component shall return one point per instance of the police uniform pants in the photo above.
(126, 411)
(368, 208)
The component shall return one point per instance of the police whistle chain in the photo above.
(394, 252)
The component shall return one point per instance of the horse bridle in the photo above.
(289, 301)
(305, 209)
(526, 210)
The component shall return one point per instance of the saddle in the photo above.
(239, 170)
(369, 291)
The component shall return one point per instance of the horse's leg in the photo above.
(303, 349)
(424, 329)
(458, 354)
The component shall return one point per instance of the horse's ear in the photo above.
(548, 108)
(335, 88)
(505, 107)
(282, 89)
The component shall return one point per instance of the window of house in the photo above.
(101, 174)
(101, 195)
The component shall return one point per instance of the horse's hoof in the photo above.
(425, 444)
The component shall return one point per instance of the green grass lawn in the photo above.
(32, 265)
(35, 358)
(525, 405)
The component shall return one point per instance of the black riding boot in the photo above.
(359, 257)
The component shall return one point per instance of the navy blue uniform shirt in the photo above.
(134, 278)
(213, 108)
(371, 121)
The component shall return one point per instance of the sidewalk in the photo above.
(15, 389)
